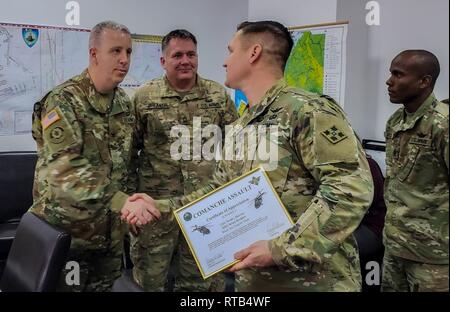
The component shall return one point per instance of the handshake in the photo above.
(139, 209)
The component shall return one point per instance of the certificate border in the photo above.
(180, 224)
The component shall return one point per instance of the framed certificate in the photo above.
(231, 218)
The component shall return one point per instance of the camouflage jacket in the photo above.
(324, 181)
(83, 172)
(158, 109)
(416, 187)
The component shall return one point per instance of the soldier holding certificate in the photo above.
(320, 172)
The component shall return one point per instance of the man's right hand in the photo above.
(139, 210)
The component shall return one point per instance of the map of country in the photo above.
(34, 59)
(304, 68)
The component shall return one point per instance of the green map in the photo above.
(304, 68)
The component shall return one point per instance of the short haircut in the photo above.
(97, 30)
(281, 42)
(426, 63)
(177, 33)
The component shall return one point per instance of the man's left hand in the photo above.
(257, 255)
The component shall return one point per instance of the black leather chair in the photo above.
(369, 234)
(36, 258)
(16, 185)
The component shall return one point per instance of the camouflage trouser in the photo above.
(405, 275)
(152, 253)
(98, 269)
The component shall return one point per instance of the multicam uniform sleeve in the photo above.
(221, 176)
(73, 179)
(443, 144)
(334, 158)
(135, 147)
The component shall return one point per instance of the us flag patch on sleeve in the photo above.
(51, 117)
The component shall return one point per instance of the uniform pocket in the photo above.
(123, 143)
(88, 230)
(94, 145)
(409, 163)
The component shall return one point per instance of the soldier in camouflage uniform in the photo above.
(416, 187)
(84, 133)
(174, 99)
(321, 173)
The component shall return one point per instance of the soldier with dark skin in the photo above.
(416, 188)
(320, 173)
(84, 130)
(181, 98)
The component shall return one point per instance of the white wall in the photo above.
(404, 24)
(293, 12)
(212, 21)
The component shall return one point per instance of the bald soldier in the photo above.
(84, 134)
(416, 186)
(321, 173)
(181, 98)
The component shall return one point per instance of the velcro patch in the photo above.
(334, 135)
(49, 119)
(57, 135)
(208, 105)
(129, 119)
(420, 141)
(158, 106)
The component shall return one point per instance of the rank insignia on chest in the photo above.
(129, 119)
(334, 135)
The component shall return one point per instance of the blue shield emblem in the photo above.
(30, 36)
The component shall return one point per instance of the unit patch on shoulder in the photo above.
(334, 135)
(57, 135)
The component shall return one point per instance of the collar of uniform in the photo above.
(197, 92)
(94, 97)
(268, 98)
(407, 123)
(118, 105)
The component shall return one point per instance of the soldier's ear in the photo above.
(426, 81)
(93, 54)
(255, 52)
